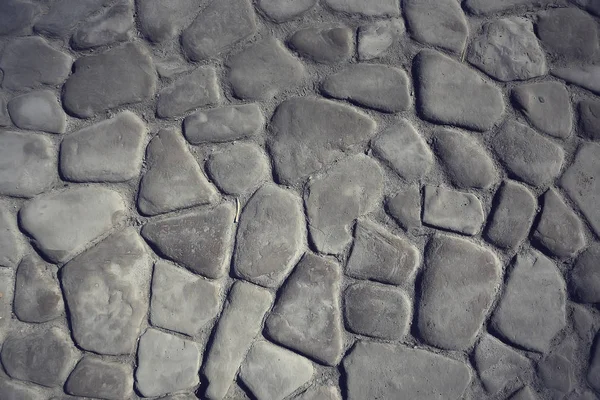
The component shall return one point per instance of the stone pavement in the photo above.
(300, 199)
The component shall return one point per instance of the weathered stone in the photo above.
(198, 240)
(351, 188)
(405, 207)
(586, 76)
(568, 32)
(38, 111)
(451, 93)
(273, 373)
(93, 377)
(320, 393)
(65, 14)
(324, 45)
(163, 20)
(118, 76)
(306, 316)
(584, 394)
(7, 286)
(585, 276)
(283, 10)
(589, 118)
(166, 364)
(480, 7)
(238, 325)
(173, 65)
(453, 210)
(366, 7)
(13, 390)
(376, 38)
(113, 25)
(525, 393)
(310, 133)
(4, 116)
(458, 288)
(556, 372)
(593, 373)
(197, 89)
(11, 243)
(17, 16)
(106, 292)
(373, 371)
(223, 124)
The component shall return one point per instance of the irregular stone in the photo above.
(11, 244)
(182, 302)
(380, 256)
(366, 7)
(273, 373)
(170, 66)
(374, 86)
(547, 106)
(219, 26)
(28, 62)
(458, 288)
(17, 16)
(197, 89)
(556, 372)
(568, 32)
(283, 10)
(173, 180)
(7, 285)
(65, 14)
(583, 321)
(38, 111)
(451, 93)
(223, 124)
(527, 154)
(113, 25)
(481, 7)
(11, 390)
(373, 371)
(405, 207)
(93, 377)
(63, 223)
(166, 364)
(306, 316)
(107, 151)
(310, 133)
(238, 325)
(106, 293)
(437, 23)
(376, 38)
(585, 276)
(586, 76)
(351, 188)
(589, 118)
(525, 393)
(593, 373)
(324, 45)
(264, 70)
(531, 310)
(163, 20)
(198, 240)
(453, 210)
(582, 395)
(320, 393)
(118, 76)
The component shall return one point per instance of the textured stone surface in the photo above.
(585, 276)
(162, 20)
(197, 89)
(112, 25)
(13, 390)
(556, 372)
(586, 76)
(63, 15)
(11, 243)
(405, 207)
(325, 45)
(93, 377)
(17, 16)
(365, 7)
(593, 373)
(452, 210)
(7, 286)
(4, 116)
(375, 38)
(223, 124)
(493, 6)
(569, 33)
(320, 393)
(589, 118)
(525, 393)
(283, 10)
(38, 111)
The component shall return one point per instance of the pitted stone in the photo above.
(585, 276)
(11, 243)
(112, 25)
(453, 210)
(324, 45)
(283, 10)
(586, 76)
(483, 7)
(93, 377)
(196, 89)
(38, 111)
(17, 16)
(569, 33)
(375, 38)
(589, 118)
(405, 207)
(239, 169)
(320, 393)
(163, 20)
(64, 15)
(14, 390)
(370, 8)
(556, 372)
(37, 297)
(223, 124)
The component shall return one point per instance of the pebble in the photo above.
(585, 276)
(11, 243)
(589, 118)
(320, 393)
(11, 390)
(593, 373)
(375, 38)
(17, 16)
(324, 45)
(556, 372)
(453, 210)
(224, 124)
(369, 8)
(483, 7)
(94, 377)
(284, 10)
(526, 393)
(586, 76)
(405, 207)
(64, 15)
(113, 25)
(568, 33)
(38, 111)
(161, 20)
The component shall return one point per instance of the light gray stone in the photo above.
(182, 396)
(17, 16)
(239, 168)
(38, 111)
(368, 8)
(405, 207)
(324, 45)
(11, 243)
(569, 33)
(93, 377)
(375, 38)
(13, 390)
(585, 276)
(453, 210)
(112, 25)
(320, 393)
(589, 118)
(593, 372)
(586, 76)
(7, 286)
(64, 15)
(283, 10)
(482, 7)
(197, 89)
(556, 372)
(223, 124)
(173, 65)
(162, 20)
(525, 393)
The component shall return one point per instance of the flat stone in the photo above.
(107, 295)
(527, 154)
(569, 33)
(173, 180)
(458, 288)
(37, 296)
(324, 45)
(525, 393)
(239, 324)
(585, 276)
(273, 373)
(556, 372)
(309, 133)
(320, 393)
(171, 66)
(453, 210)
(223, 124)
(17, 16)
(93, 377)
(451, 93)
(351, 188)
(531, 310)
(181, 301)
(593, 373)
(13, 390)
(121, 75)
(219, 26)
(376, 86)
(380, 256)
(368, 8)
(199, 240)
(197, 89)
(11, 243)
(586, 76)
(283, 10)
(38, 111)
(306, 316)
(373, 372)
(166, 364)
(28, 62)
(64, 15)
(7, 286)
(482, 7)
(375, 38)
(589, 118)
(163, 20)
(113, 25)
(264, 70)
(107, 151)
(405, 207)
(439, 23)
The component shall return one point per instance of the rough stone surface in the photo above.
(223, 124)
(7, 285)
(405, 207)
(593, 373)
(325, 45)
(38, 111)
(525, 393)
(112, 25)
(556, 373)
(4, 116)
(93, 377)
(12, 390)
(320, 393)
(11, 243)
(283, 10)
(369, 8)
(65, 14)
(586, 76)
(452, 210)
(375, 38)
(162, 20)
(589, 118)
(480, 7)
(197, 89)
(17, 16)
(569, 33)
(585, 276)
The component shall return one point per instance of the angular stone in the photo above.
(374, 86)
(373, 371)
(451, 93)
(585, 276)
(219, 26)
(106, 293)
(182, 302)
(163, 20)
(65, 14)
(527, 154)
(589, 118)
(320, 393)
(12, 390)
(376, 38)
(17, 16)
(171, 66)
(481, 7)
(531, 310)
(264, 70)
(223, 124)
(324, 45)
(310, 133)
(11, 243)
(306, 316)
(368, 8)
(405, 207)
(198, 240)
(113, 25)
(380, 256)
(238, 325)
(7, 286)
(593, 373)
(37, 297)
(453, 210)
(93, 377)
(166, 364)
(283, 10)
(121, 75)
(273, 373)
(525, 393)
(351, 188)
(569, 33)
(107, 151)
(586, 76)
(556, 372)
(197, 89)
(458, 288)
(38, 111)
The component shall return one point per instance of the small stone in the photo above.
(306, 316)
(368, 8)
(163, 20)
(11, 243)
(197, 89)
(38, 111)
(166, 364)
(482, 7)
(585, 276)
(556, 372)
(324, 45)
(17, 16)
(320, 393)
(223, 124)
(377, 37)
(64, 15)
(405, 207)
(264, 70)
(351, 188)
(451, 93)
(199, 240)
(12, 390)
(569, 33)
(7, 285)
(525, 393)
(283, 10)
(113, 25)
(589, 118)
(93, 377)
(527, 154)
(273, 373)
(171, 66)
(531, 310)
(453, 210)
(586, 76)
(593, 373)
(374, 86)
(583, 320)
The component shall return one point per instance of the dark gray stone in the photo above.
(590, 5)
(587, 76)
(93, 377)
(163, 20)
(375, 38)
(556, 372)
(113, 25)
(283, 10)
(405, 207)
(569, 33)
(324, 45)
(593, 372)
(17, 16)
(585, 276)
(13, 390)
(223, 124)
(64, 15)
(11, 243)
(583, 320)
(196, 89)
(4, 116)
(38, 111)
(370, 8)
(589, 118)
(453, 210)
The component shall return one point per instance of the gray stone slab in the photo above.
(587, 76)
(328, 45)
(452, 210)
(64, 15)
(585, 276)
(196, 89)
(224, 124)
(556, 373)
(112, 25)
(14, 390)
(163, 20)
(11, 241)
(375, 38)
(283, 10)
(405, 207)
(93, 377)
(38, 111)
(17, 16)
(589, 118)
(370, 8)
(569, 33)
